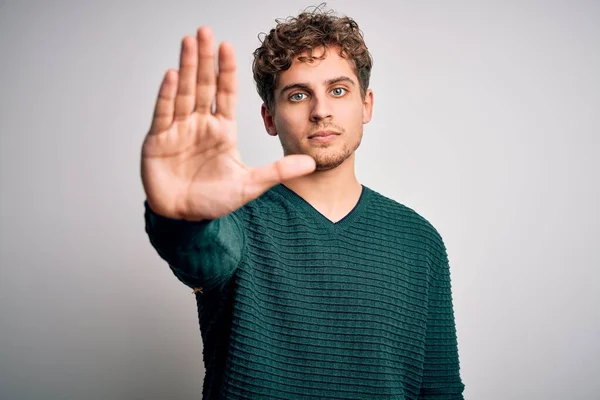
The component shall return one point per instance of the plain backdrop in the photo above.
(486, 122)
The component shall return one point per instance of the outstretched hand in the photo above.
(191, 167)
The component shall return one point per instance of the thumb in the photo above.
(289, 167)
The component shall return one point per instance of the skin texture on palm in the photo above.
(190, 165)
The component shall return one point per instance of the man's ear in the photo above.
(368, 106)
(268, 120)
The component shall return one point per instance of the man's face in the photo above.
(317, 98)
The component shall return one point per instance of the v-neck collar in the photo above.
(319, 219)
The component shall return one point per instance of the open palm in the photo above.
(191, 167)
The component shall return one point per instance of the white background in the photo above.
(485, 122)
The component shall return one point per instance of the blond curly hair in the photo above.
(297, 35)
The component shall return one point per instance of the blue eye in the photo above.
(296, 96)
(338, 92)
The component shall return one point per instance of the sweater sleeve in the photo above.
(201, 254)
(441, 374)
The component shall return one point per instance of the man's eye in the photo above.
(338, 92)
(297, 96)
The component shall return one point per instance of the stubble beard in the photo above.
(325, 156)
(327, 159)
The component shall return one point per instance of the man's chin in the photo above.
(329, 163)
(326, 167)
(324, 161)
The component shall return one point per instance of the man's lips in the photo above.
(323, 133)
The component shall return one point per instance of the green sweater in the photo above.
(294, 306)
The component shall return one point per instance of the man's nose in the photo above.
(320, 109)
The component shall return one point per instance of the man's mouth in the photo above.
(323, 134)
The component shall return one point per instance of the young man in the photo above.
(308, 284)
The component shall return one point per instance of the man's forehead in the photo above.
(318, 69)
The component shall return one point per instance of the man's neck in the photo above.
(334, 193)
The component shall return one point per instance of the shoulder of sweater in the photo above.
(399, 214)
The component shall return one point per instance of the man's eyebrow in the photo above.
(305, 86)
(340, 79)
(302, 86)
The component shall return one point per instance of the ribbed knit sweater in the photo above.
(294, 306)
